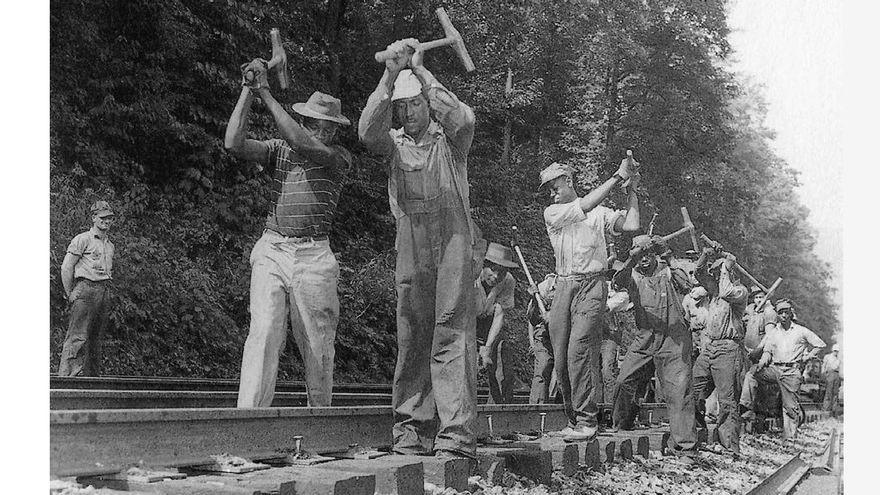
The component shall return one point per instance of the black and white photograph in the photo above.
(431, 247)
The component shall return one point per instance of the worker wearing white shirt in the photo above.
(785, 349)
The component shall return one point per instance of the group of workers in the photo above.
(454, 288)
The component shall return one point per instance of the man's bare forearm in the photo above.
(599, 194)
(236, 130)
(632, 221)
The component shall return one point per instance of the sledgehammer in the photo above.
(453, 38)
(279, 59)
(522, 261)
(719, 247)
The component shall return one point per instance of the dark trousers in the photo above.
(576, 320)
(543, 351)
(435, 381)
(500, 374)
(671, 355)
(832, 388)
(608, 355)
(719, 367)
(89, 312)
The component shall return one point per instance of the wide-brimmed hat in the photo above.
(553, 171)
(407, 85)
(101, 208)
(322, 106)
(755, 290)
(500, 255)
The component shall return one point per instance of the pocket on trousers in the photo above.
(256, 251)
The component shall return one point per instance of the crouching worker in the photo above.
(663, 338)
(785, 351)
(494, 290)
(293, 271)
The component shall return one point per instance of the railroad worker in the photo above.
(696, 310)
(539, 342)
(294, 273)
(719, 365)
(434, 389)
(831, 373)
(576, 227)
(757, 324)
(86, 274)
(662, 337)
(494, 291)
(785, 351)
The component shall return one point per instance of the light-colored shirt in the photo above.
(95, 253)
(578, 238)
(502, 294)
(756, 324)
(305, 193)
(830, 363)
(788, 346)
(724, 320)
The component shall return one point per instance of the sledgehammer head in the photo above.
(279, 59)
(457, 42)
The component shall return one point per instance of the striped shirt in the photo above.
(305, 193)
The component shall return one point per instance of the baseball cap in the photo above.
(555, 170)
(101, 208)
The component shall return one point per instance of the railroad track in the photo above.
(95, 445)
(130, 392)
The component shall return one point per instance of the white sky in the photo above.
(793, 48)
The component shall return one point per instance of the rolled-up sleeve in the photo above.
(609, 218)
(456, 118)
(375, 122)
(558, 216)
(731, 292)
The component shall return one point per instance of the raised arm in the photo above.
(734, 293)
(297, 137)
(236, 140)
(375, 120)
(630, 223)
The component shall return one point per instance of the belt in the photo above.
(90, 281)
(297, 239)
(786, 365)
(580, 277)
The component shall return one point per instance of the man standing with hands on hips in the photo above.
(86, 273)
(434, 393)
(577, 226)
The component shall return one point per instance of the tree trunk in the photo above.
(332, 27)
(508, 90)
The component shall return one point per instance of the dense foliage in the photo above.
(141, 92)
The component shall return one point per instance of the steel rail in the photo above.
(94, 442)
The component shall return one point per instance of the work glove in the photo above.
(255, 74)
(625, 171)
(404, 50)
